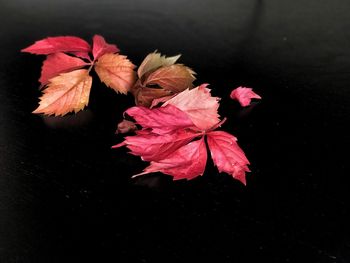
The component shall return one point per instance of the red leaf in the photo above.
(81, 54)
(58, 44)
(160, 120)
(100, 47)
(186, 162)
(153, 147)
(58, 63)
(199, 105)
(227, 155)
(244, 95)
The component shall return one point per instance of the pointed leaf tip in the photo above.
(101, 47)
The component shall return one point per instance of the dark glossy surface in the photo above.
(65, 196)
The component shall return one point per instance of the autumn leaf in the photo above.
(116, 71)
(65, 93)
(100, 47)
(58, 63)
(166, 138)
(175, 78)
(81, 54)
(152, 147)
(187, 162)
(159, 77)
(244, 95)
(58, 44)
(227, 155)
(126, 126)
(160, 120)
(145, 96)
(199, 105)
(154, 61)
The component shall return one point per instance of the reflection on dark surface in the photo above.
(69, 121)
(65, 196)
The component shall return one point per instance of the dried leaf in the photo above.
(58, 44)
(100, 47)
(186, 162)
(199, 105)
(244, 95)
(227, 155)
(116, 71)
(157, 101)
(126, 126)
(175, 78)
(154, 61)
(65, 93)
(160, 120)
(145, 96)
(58, 63)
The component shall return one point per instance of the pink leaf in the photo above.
(186, 162)
(58, 44)
(244, 95)
(227, 155)
(58, 63)
(199, 105)
(153, 147)
(100, 47)
(160, 120)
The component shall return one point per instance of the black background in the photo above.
(65, 196)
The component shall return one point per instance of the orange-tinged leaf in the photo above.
(58, 44)
(65, 93)
(154, 61)
(116, 71)
(175, 78)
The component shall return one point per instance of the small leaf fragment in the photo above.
(244, 95)
(126, 126)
